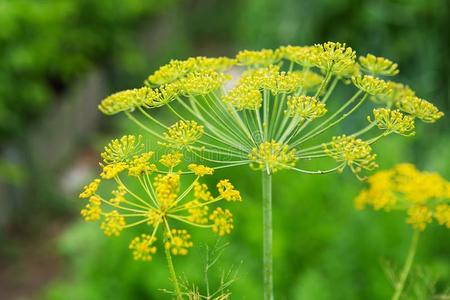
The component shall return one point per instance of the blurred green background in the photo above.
(58, 59)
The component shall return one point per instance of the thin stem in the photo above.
(400, 284)
(172, 273)
(267, 238)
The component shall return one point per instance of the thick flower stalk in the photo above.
(274, 110)
(160, 204)
(425, 196)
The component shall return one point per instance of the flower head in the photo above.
(304, 107)
(143, 247)
(160, 199)
(126, 100)
(182, 134)
(420, 108)
(355, 153)
(223, 221)
(274, 110)
(371, 85)
(272, 156)
(378, 65)
(393, 121)
(264, 57)
(423, 195)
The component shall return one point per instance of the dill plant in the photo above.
(168, 201)
(269, 110)
(425, 196)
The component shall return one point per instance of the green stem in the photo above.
(172, 273)
(407, 267)
(267, 239)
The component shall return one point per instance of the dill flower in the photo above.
(126, 100)
(272, 156)
(353, 152)
(378, 65)
(305, 107)
(278, 104)
(423, 195)
(370, 84)
(160, 203)
(271, 113)
(420, 108)
(264, 57)
(393, 121)
(182, 134)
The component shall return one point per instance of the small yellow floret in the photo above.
(227, 191)
(442, 214)
(272, 156)
(393, 121)
(222, 221)
(182, 134)
(202, 83)
(140, 165)
(419, 216)
(200, 170)
(111, 171)
(378, 65)
(123, 149)
(198, 213)
(371, 85)
(356, 153)
(171, 160)
(113, 224)
(201, 192)
(178, 241)
(90, 189)
(336, 58)
(264, 57)
(92, 211)
(126, 100)
(421, 109)
(304, 107)
(143, 247)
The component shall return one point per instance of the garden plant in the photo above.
(272, 110)
(425, 196)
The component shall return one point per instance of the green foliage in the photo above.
(46, 45)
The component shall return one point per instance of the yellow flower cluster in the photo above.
(177, 69)
(423, 195)
(304, 107)
(143, 247)
(351, 151)
(378, 65)
(158, 200)
(393, 121)
(202, 82)
(126, 100)
(123, 149)
(302, 55)
(200, 170)
(262, 58)
(243, 96)
(371, 85)
(397, 92)
(227, 191)
(336, 58)
(272, 156)
(178, 241)
(420, 108)
(182, 134)
(222, 221)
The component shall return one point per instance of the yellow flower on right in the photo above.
(423, 195)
